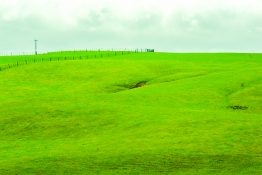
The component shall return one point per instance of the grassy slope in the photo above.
(78, 117)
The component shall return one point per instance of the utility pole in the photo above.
(36, 47)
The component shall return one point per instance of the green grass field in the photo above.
(138, 113)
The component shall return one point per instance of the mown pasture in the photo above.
(131, 113)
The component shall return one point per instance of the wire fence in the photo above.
(87, 54)
(2, 53)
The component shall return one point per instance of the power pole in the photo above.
(36, 47)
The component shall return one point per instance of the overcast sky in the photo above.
(166, 25)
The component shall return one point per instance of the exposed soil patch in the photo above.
(131, 86)
(238, 107)
(139, 84)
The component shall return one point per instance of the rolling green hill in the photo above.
(131, 113)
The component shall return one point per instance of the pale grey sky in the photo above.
(166, 25)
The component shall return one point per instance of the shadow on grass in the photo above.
(140, 164)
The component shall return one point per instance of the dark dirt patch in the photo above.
(238, 107)
(124, 87)
(139, 84)
(133, 85)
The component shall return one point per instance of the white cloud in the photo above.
(132, 23)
